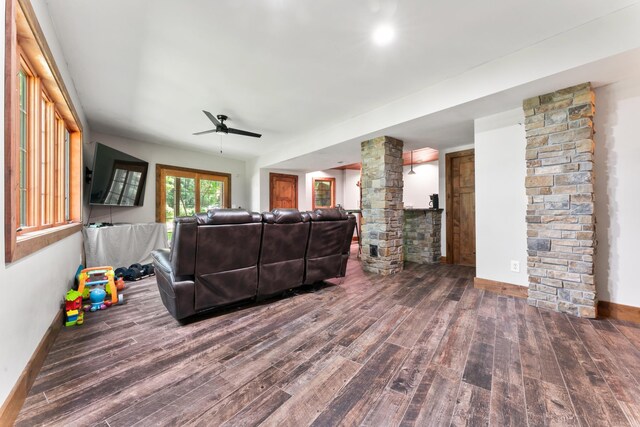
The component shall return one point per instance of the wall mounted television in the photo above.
(118, 178)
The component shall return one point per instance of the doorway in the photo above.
(461, 207)
(185, 192)
(283, 191)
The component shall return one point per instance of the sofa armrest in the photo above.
(177, 293)
(162, 259)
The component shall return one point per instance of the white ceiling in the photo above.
(454, 127)
(145, 69)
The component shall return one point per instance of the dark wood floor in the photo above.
(419, 348)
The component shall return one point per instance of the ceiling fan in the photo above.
(222, 128)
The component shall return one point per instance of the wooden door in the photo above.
(283, 191)
(461, 208)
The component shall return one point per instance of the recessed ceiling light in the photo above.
(383, 35)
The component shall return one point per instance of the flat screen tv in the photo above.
(118, 178)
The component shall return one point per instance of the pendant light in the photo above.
(412, 172)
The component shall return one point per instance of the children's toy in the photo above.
(96, 296)
(72, 308)
(100, 281)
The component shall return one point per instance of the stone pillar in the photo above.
(560, 215)
(382, 214)
(421, 235)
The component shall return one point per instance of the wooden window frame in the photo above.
(161, 196)
(26, 48)
(313, 192)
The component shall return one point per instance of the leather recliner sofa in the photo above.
(230, 255)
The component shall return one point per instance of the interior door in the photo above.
(283, 191)
(461, 208)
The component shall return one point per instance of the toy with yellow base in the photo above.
(73, 308)
(96, 276)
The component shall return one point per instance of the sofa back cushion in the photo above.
(326, 244)
(284, 243)
(226, 257)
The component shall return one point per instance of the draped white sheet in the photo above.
(123, 245)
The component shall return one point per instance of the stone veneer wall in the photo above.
(382, 214)
(560, 215)
(421, 235)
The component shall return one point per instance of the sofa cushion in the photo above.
(283, 216)
(328, 214)
(227, 216)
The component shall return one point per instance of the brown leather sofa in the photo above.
(230, 255)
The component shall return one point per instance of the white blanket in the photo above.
(123, 245)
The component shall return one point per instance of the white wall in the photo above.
(154, 154)
(501, 200)
(443, 191)
(617, 194)
(35, 285)
(351, 192)
(418, 187)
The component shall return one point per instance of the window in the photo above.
(184, 192)
(323, 192)
(43, 139)
(22, 138)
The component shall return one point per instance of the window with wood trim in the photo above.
(323, 192)
(184, 192)
(43, 141)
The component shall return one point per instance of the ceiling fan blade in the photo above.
(205, 131)
(212, 118)
(243, 132)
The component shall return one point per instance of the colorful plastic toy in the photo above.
(72, 307)
(96, 296)
(101, 281)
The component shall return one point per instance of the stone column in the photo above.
(382, 213)
(560, 216)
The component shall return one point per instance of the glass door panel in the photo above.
(185, 192)
(180, 199)
(211, 194)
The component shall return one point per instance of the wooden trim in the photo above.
(501, 288)
(11, 179)
(443, 260)
(40, 39)
(160, 194)
(273, 175)
(313, 191)
(29, 244)
(449, 199)
(161, 173)
(46, 85)
(11, 407)
(618, 311)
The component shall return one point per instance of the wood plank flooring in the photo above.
(420, 348)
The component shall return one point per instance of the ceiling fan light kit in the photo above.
(220, 127)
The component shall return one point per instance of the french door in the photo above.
(185, 192)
